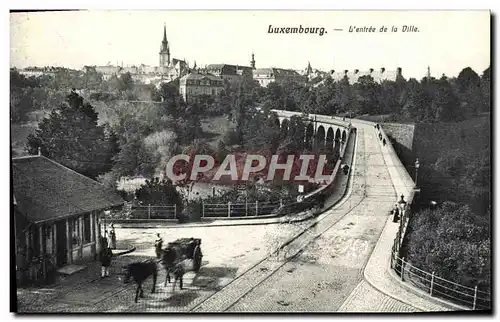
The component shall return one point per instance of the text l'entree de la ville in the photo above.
(307, 29)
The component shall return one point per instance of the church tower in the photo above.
(252, 62)
(164, 50)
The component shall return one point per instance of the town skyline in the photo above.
(57, 39)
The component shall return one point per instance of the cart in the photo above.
(189, 248)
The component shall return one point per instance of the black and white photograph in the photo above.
(250, 161)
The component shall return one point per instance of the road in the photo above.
(228, 252)
(327, 275)
(321, 270)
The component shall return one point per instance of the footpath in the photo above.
(378, 272)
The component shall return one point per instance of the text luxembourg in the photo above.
(296, 30)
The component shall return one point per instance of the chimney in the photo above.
(371, 70)
(345, 72)
(356, 71)
(382, 69)
(400, 71)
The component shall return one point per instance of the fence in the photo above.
(154, 212)
(440, 287)
(242, 209)
(436, 286)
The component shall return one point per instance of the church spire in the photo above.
(164, 49)
(165, 33)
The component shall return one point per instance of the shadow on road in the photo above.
(182, 298)
(209, 278)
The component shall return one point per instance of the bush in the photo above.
(453, 242)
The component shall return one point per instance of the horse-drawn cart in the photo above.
(190, 248)
(187, 248)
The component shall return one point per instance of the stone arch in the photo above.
(277, 122)
(320, 137)
(337, 135)
(344, 136)
(330, 136)
(309, 135)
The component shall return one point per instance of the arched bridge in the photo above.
(321, 130)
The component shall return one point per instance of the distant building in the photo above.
(195, 84)
(168, 69)
(45, 71)
(234, 74)
(378, 75)
(57, 215)
(265, 76)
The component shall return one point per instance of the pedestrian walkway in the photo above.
(378, 271)
(365, 298)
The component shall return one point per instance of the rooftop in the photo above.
(46, 190)
(200, 76)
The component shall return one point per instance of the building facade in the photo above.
(265, 76)
(234, 74)
(378, 75)
(57, 216)
(195, 84)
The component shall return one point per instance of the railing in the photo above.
(154, 212)
(429, 282)
(312, 117)
(439, 287)
(241, 209)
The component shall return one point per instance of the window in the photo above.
(86, 229)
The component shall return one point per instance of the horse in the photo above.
(140, 271)
(172, 263)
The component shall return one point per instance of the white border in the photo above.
(190, 5)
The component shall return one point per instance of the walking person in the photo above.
(112, 235)
(158, 245)
(395, 212)
(105, 258)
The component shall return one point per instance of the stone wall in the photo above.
(402, 138)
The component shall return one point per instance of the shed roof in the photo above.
(46, 190)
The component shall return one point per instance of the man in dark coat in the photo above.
(112, 235)
(105, 258)
(158, 245)
(395, 212)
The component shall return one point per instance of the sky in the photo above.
(447, 41)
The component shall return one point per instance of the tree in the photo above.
(23, 100)
(416, 102)
(71, 136)
(159, 193)
(485, 91)
(452, 242)
(467, 78)
(134, 158)
(445, 103)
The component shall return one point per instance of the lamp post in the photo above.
(417, 165)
